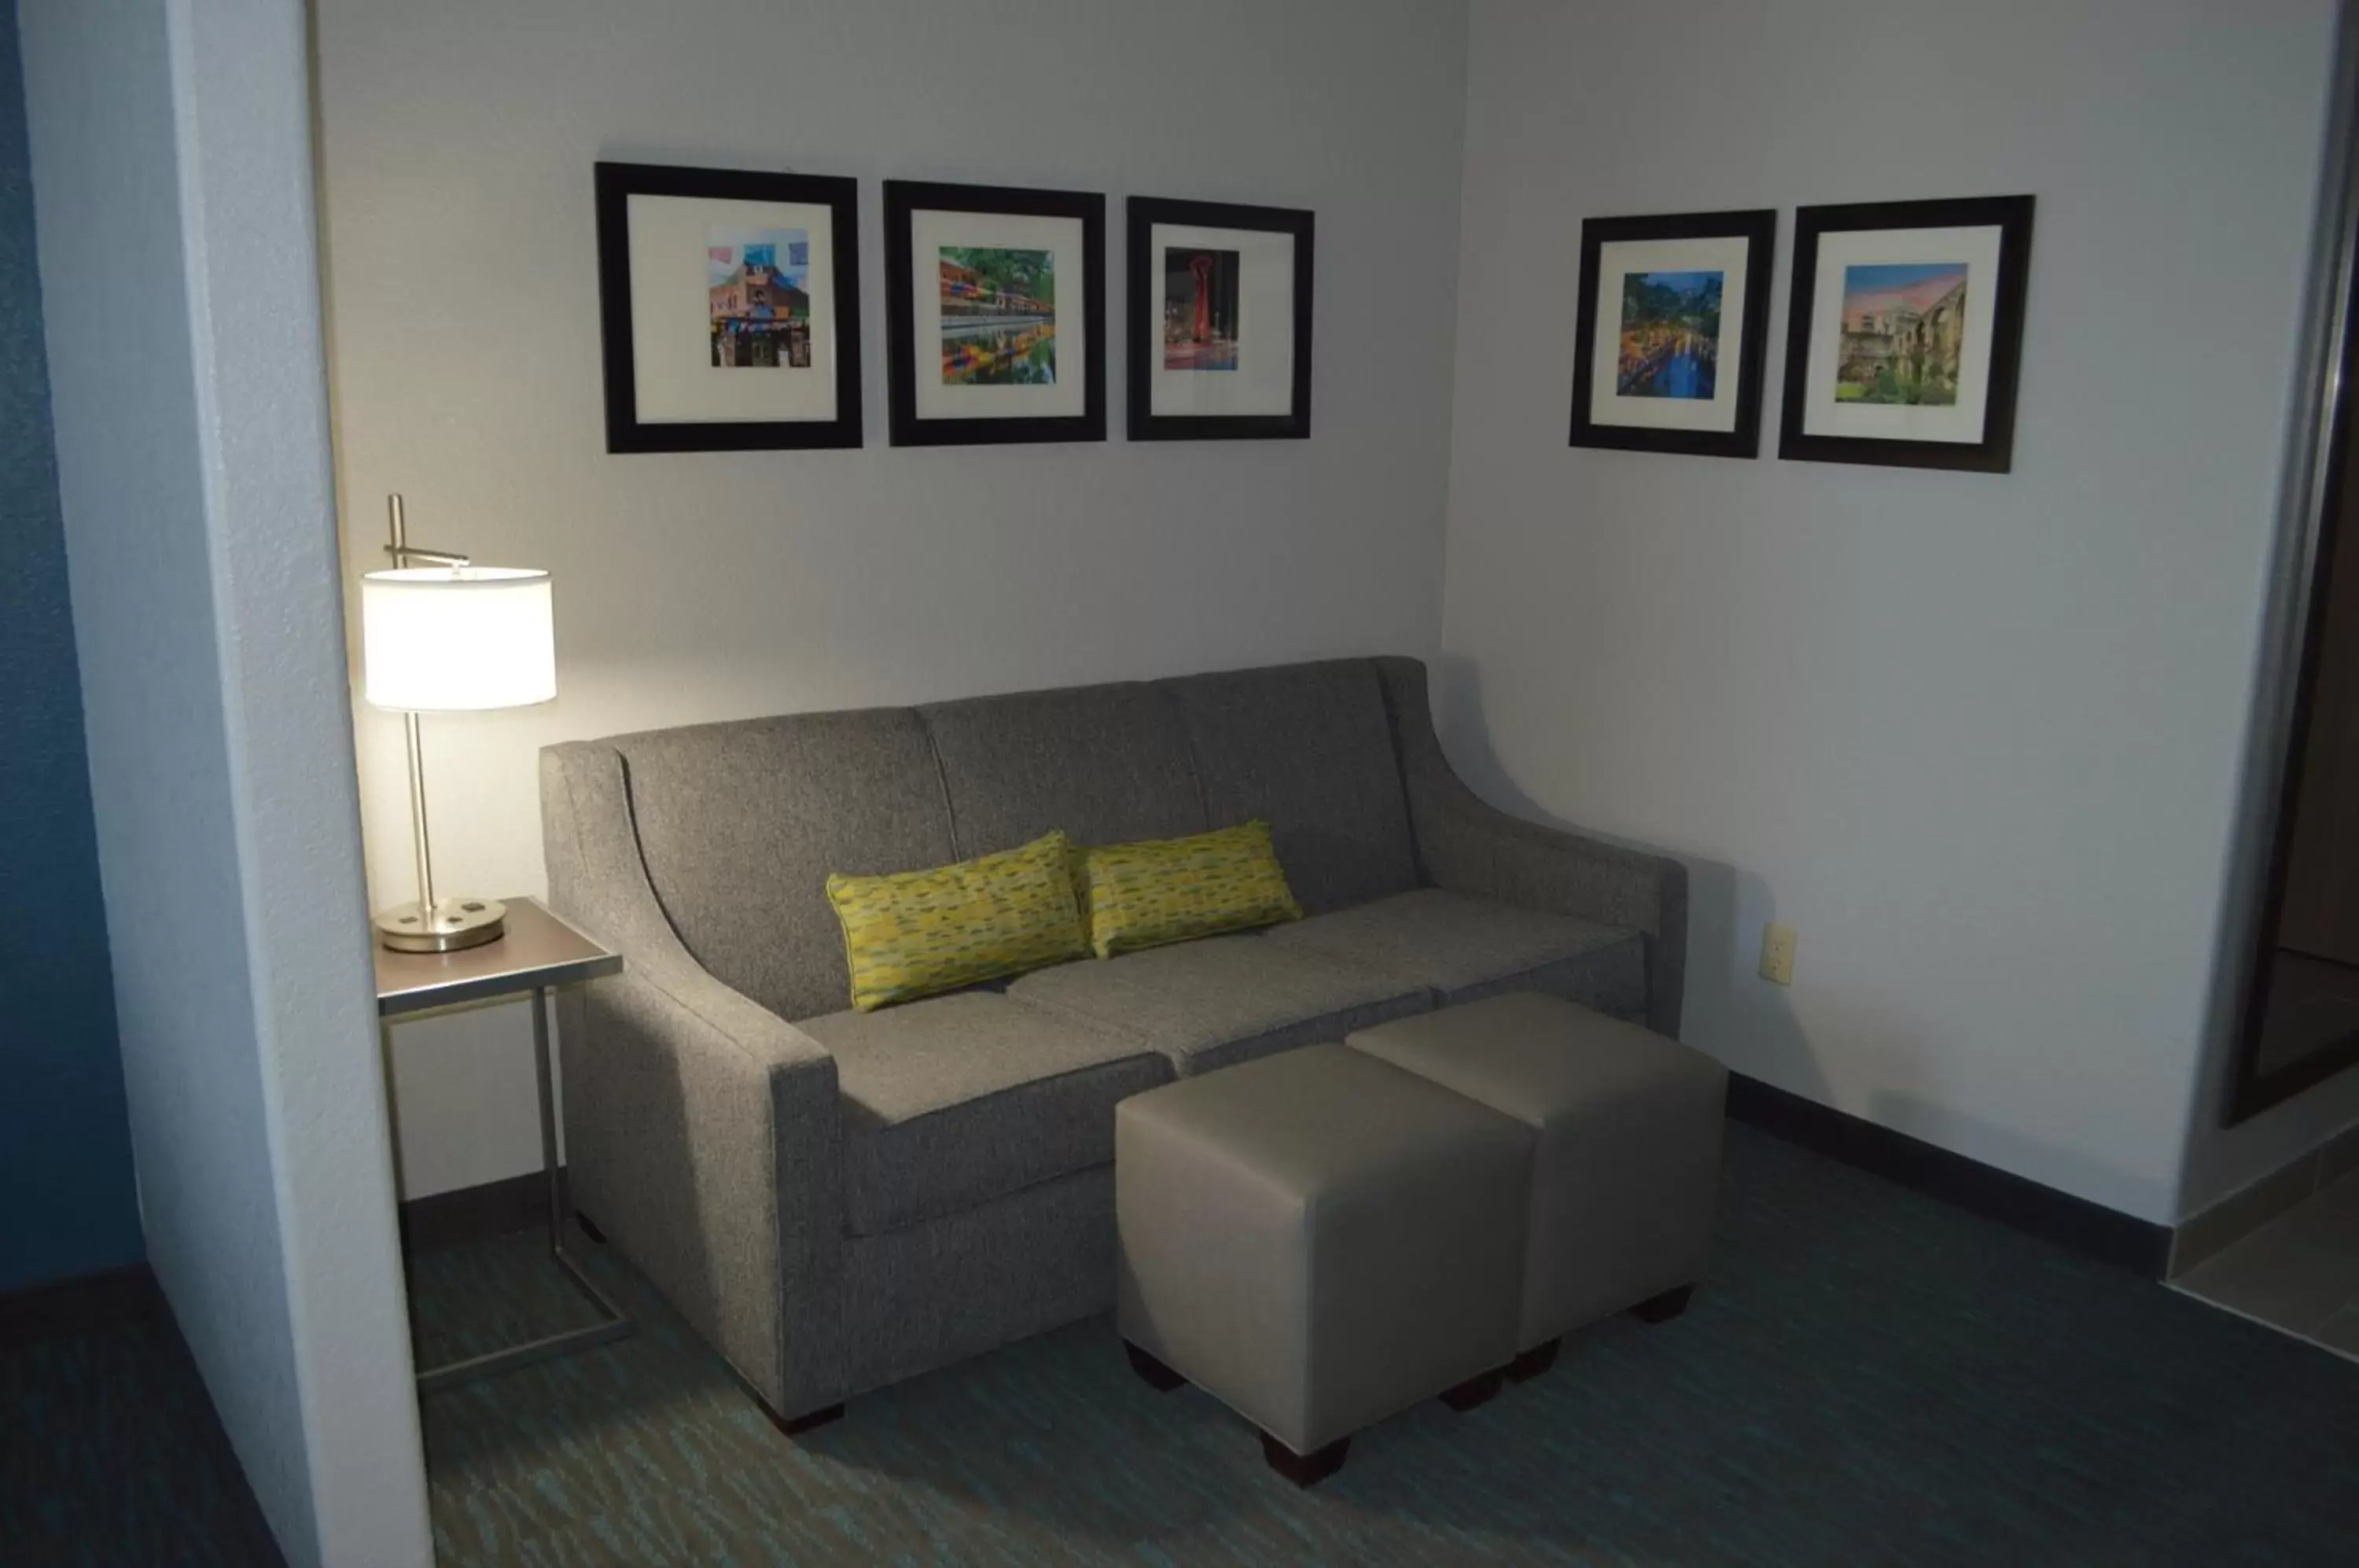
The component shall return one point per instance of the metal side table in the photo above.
(539, 952)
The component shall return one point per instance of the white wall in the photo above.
(458, 140)
(171, 168)
(1976, 737)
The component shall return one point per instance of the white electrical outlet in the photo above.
(1777, 953)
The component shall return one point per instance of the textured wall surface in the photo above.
(1978, 738)
(457, 142)
(67, 1199)
(172, 161)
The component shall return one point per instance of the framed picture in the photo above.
(994, 313)
(1219, 321)
(729, 302)
(1906, 332)
(1684, 304)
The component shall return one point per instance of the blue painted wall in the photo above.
(67, 1205)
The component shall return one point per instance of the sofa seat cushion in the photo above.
(955, 1100)
(1461, 948)
(1223, 999)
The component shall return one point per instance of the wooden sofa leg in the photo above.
(795, 1426)
(1535, 1361)
(1664, 1306)
(1475, 1392)
(1305, 1469)
(1158, 1377)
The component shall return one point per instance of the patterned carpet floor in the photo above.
(110, 1454)
(1870, 1377)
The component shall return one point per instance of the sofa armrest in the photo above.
(701, 1129)
(1467, 845)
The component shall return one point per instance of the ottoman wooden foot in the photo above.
(1535, 1361)
(1158, 1377)
(1476, 1391)
(795, 1426)
(1664, 1306)
(1305, 1469)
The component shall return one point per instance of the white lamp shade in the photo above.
(458, 639)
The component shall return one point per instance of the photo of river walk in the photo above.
(999, 317)
(1671, 334)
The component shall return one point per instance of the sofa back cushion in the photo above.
(740, 824)
(1309, 748)
(1105, 764)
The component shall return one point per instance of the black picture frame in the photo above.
(616, 183)
(1995, 453)
(906, 198)
(1758, 227)
(1143, 332)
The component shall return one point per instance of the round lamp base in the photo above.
(453, 924)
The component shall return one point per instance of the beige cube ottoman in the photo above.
(1627, 1164)
(1319, 1239)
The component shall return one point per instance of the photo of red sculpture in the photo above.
(1199, 308)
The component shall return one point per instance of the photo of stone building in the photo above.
(1904, 330)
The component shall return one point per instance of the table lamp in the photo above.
(444, 637)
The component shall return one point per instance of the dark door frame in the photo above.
(2317, 471)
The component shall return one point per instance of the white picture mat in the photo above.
(1263, 382)
(1616, 260)
(929, 230)
(1978, 248)
(674, 379)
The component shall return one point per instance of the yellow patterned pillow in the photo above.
(1158, 890)
(912, 933)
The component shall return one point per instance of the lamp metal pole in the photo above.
(400, 550)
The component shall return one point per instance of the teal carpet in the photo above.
(1870, 1377)
(110, 1454)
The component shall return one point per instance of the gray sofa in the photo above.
(838, 1200)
